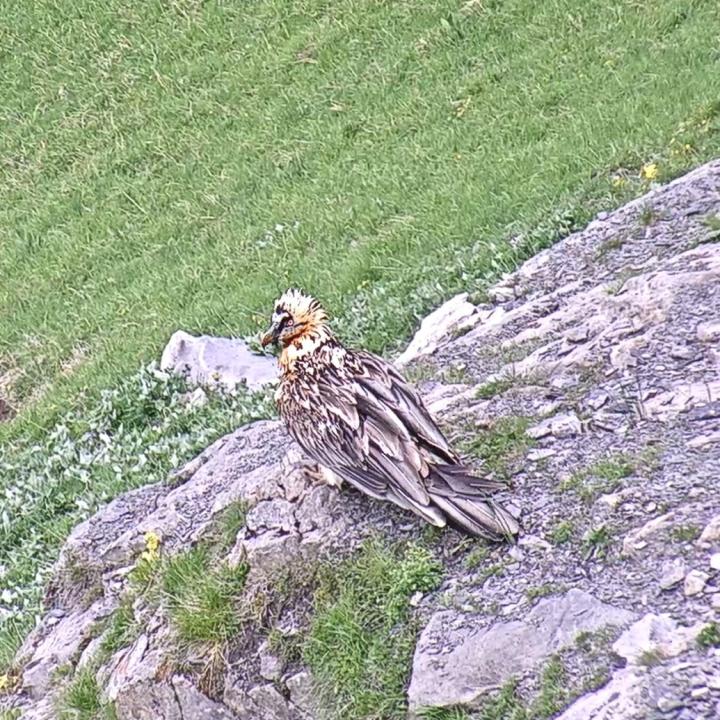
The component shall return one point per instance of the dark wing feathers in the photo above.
(384, 382)
(363, 421)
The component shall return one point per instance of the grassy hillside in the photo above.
(176, 164)
(171, 165)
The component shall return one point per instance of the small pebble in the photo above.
(700, 692)
(672, 573)
(666, 703)
(515, 553)
(694, 583)
(715, 561)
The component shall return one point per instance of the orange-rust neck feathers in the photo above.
(302, 327)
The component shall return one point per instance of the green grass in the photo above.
(650, 658)
(562, 533)
(122, 629)
(176, 165)
(476, 556)
(501, 446)
(552, 696)
(201, 598)
(506, 705)
(495, 387)
(226, 526)
(360, 643)
(685, 533)
(441, 713)
(541, 591)
(80, 700)
(603, 476)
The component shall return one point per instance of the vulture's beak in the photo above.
(271, 336)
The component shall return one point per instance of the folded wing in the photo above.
(364, 422)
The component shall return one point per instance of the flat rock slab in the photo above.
(457, 665)
(456, 312)
(208, 360)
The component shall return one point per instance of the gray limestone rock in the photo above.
(436, 326)
(673, 572)
(621, 699)
(660, 635)
(694, 582)
(456, 663)
(221, 361)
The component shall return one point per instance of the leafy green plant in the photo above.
(562, 533)
(597, 540)
(134, 435)
(709, 636)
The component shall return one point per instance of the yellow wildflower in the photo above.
(152, 544)
(460, 106)
(4, 682)
(152, 541)
(618, 181)
(650, 172)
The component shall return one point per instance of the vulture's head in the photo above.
(297, 317)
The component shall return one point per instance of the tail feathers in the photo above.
(451, 479)
(484, 518)
(464, 498)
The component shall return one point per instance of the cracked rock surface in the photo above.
(598, 365)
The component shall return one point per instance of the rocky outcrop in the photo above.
(592, 383)
(288, 520)
(607, 341)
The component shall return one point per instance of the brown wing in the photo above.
(363, 421)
